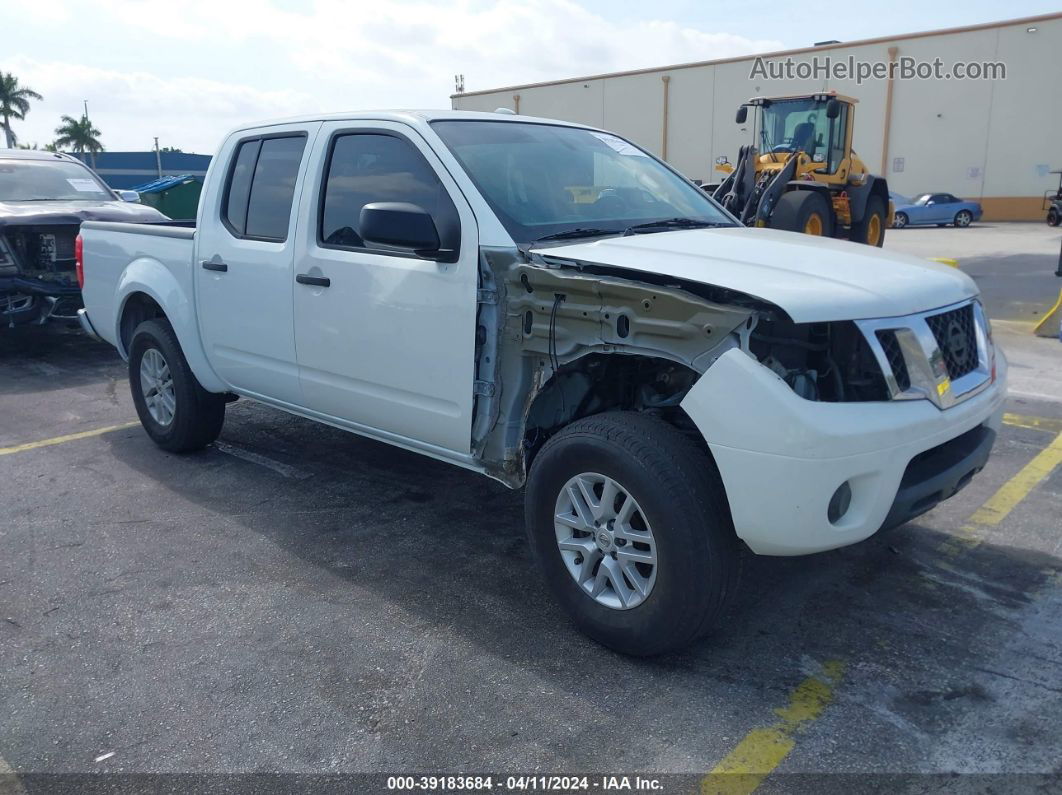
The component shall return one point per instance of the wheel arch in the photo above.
(146, 289)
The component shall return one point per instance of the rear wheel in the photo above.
(804, 211)
(1053, 217)
(629, 523)
(871, 230)
(177, 413)
(963, 218)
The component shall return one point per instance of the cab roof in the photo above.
(415, 118)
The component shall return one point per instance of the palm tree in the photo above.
(79, 135)
(14, 104)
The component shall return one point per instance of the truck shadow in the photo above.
(445, 548)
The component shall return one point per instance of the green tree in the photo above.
(14, 104)
(80, 136)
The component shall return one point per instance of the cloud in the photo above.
(245, 60)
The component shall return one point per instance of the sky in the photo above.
(190, 70)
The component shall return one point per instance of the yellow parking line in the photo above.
(762, 750)
(999, 506)
(1036, 423)
(70, 437)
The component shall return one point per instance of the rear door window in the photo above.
(261, 187)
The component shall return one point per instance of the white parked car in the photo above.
(553, 307)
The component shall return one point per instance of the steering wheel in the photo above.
(609, 201)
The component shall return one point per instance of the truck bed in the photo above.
(124, 258)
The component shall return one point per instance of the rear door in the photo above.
(244, 261)
(389, 344)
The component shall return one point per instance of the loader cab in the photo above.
(818, 126)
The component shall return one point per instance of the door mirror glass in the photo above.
(399, 225)
(742, 114)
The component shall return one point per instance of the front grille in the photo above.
(957, 338)
(891, 346)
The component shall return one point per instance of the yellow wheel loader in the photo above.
(800, 173)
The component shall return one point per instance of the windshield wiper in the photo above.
(567, 234)
(673, 223)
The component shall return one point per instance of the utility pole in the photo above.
(86, 107)
(158, 157)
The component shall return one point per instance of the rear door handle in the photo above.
(214, 266)
(316, 281)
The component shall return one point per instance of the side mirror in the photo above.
(400, 225)
(833, 109)
(742, 114)
(128, 196)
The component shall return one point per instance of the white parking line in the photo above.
(263, 461)
(9, 783)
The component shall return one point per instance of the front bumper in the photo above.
(781, 457)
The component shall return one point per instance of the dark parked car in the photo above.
(44, 197)
(941, 209)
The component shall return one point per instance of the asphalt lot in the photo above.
(299, 599)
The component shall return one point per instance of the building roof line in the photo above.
(775, 54)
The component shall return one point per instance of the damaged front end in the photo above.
(558, 340)
(38, 279)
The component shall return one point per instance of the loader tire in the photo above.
(871, 229)
(804, 211)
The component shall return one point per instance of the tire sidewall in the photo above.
(147, 336)
(679, 542)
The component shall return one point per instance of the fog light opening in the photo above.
(839, 503)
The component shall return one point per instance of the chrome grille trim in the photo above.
(927, 374)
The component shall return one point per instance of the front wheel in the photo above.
(629, 524)
(899, 221)
(1053, 217)
(177, 413)
(963, 218)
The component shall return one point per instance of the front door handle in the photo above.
(316, 281)
(214, 266)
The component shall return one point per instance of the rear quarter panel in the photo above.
(122, 260)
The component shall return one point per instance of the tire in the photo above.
(195, 416)
(677, 494)
(871, 230)
(1053, 217)
(798, 210)
(899, 221)
(963, 218)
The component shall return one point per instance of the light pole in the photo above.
(158, 157)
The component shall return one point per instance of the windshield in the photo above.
(545, 181)
(922, 199)
(49, 180)
(801, 125)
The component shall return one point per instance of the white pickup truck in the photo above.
(553, 307)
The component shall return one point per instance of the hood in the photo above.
(74, 212)
(815, 280)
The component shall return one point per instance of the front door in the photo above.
(244, 263)
(385, 339)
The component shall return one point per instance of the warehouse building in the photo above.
(993, 139)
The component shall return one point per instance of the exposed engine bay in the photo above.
(44, 252)
(38, 277)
